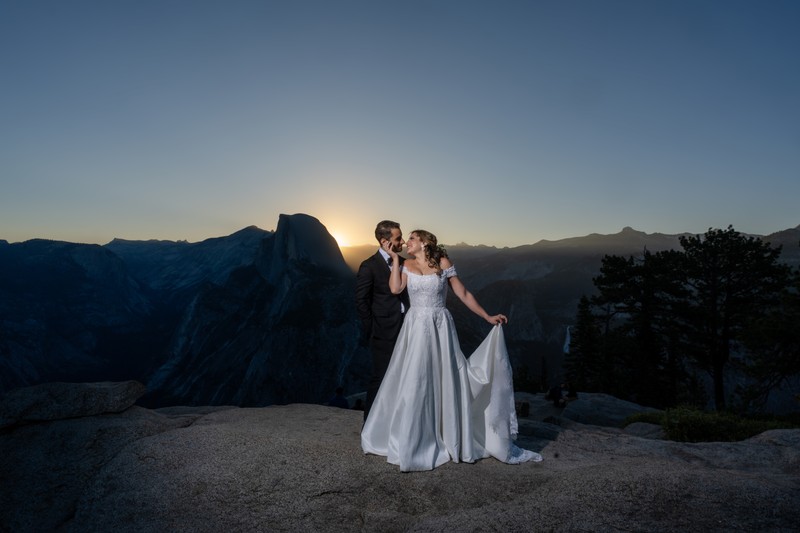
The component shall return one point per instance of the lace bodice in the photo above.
(428, 290)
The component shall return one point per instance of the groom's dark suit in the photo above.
(381, 317)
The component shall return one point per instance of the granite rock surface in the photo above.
(300, 467)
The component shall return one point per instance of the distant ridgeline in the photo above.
(259, 317)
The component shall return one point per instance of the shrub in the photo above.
(688, 424)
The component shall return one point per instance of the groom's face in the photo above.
(397, 240)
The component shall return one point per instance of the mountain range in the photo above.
(267, 317)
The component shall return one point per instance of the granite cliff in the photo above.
(280, 330)
(253, 318)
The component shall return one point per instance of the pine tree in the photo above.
(582, 362)
(732, 279)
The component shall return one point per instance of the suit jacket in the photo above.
(378, 309)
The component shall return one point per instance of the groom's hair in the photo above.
(384, 229)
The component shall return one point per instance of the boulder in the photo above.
(645, 430)
(57, 401)
(601, 409)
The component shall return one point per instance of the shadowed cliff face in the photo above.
(280, 330)
(250, 319)
(70, 312)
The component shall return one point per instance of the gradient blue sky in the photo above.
(492, 122)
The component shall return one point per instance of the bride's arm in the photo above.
(469, 300)
(397, 280)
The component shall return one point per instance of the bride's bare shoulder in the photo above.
(445, 263)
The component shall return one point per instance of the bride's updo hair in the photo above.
(433, 252)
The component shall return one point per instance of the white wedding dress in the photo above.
(436, 406)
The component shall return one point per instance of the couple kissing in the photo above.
(426, 403)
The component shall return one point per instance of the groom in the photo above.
(381, 312)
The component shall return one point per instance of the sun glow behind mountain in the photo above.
(341, 239)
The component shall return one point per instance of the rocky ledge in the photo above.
(300, 468)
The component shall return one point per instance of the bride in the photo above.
(434, 405)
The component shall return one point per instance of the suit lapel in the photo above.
(379, 258)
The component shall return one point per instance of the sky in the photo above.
(486, 122)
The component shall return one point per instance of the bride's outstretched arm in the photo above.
(470, 301)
